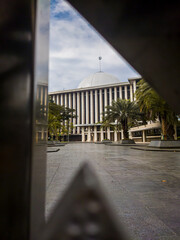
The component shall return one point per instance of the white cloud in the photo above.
(75, 48)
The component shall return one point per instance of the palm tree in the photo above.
(124, 113)
(155, 108)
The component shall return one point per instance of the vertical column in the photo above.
(92, 107)
(62, 100)
(143, 136)
(83, 135)
(120, 92)
(65, 100)
(115, 93)
(115, 135)
(105, 98)
(108, 133)
(87, 107)
(57, 100)
(65, 104)
(131, 93)
(122, 135)
(100, 104)
(95, 133)
(82, 107)
(54, 100)
(70, 106)
(102, 134)
(96, 106)
(70, 101)
(134, 86)
(110, 96)
(89, 134)
(125, 92)
(78, 112)
(74, 107)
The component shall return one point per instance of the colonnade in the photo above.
(89, 104)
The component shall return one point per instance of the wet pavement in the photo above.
(143, 187)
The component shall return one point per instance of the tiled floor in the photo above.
(148, 206)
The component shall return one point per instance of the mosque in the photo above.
(89, 100)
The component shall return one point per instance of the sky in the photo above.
(75, 48)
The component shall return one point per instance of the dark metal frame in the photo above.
(145, 33)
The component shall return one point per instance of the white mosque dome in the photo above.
(98, 79)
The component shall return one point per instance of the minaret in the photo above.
(100, 58)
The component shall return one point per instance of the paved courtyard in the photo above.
(144, 187)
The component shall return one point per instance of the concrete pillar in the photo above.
(105, 98)
(74, 107)
(96, 106)
(110, 96)
(100, 104)
(120, 92)
(115, 93)
(65, 104)
(62, 100)
(70, 101)
(89, 134)
(54, 100)
(57, 100)
(65, 100)
(108, 133)
(102, 134)
(115, 135)
(78, 108)
(92, 106)
(70, 106)
(82, 108)
(122, 135)
(87, 107)
(125, 92)
(83, 135)
(143, 136)
(131, 93)
(78, 112)
(95, 133)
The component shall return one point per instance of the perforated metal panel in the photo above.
(84, 212)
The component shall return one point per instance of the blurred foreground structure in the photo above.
(146, 34)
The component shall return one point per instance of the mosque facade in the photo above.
(90, 100)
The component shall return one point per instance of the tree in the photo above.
(54, 119)
(155, 108)
(66, 114)
(124, 113)
(58, 119)
(53, 125)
